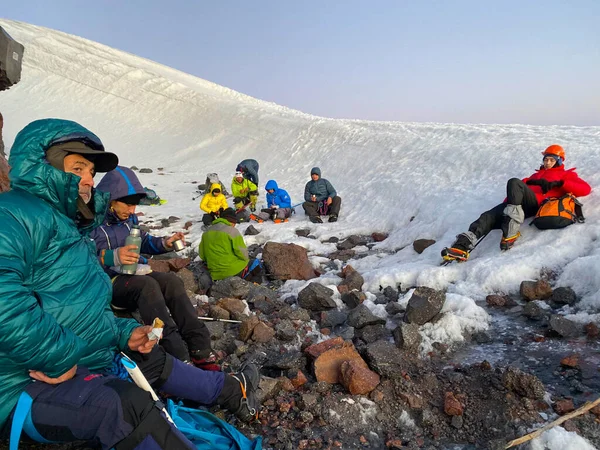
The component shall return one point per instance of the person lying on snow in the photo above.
(244, 191)
(59, 336)
(320, 198)
(523, 198)
(279, 204)
(224, 251)
(156, 294)
(213, 203)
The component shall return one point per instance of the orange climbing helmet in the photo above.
(555, 150)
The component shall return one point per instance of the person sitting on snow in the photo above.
(279, 204)
(60, 340)
(156, 294)
(320, 198)
(244, 191)
(224, 251)
(213, 203)
(523, 199)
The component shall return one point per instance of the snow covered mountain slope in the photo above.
(412, 180)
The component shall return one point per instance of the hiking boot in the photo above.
(209, 362)
(252, 208)
(315, 219)
(247, 405)
(507, 243)
(454, 254)
(333, 218)
(465, 241)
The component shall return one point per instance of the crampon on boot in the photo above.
(256, 218)
(280, 220)
(248, 377)
(507, 243)
(454, 254)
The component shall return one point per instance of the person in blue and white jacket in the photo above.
(279, 204)
(156, 294)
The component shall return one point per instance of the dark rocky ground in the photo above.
(367, 387)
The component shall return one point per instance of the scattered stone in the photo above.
(570, 361)
(146, 170)
(233, 305)
(385, 359)
(563, 406)
(457, 422)
(327, 365)
(536, 310)
(353, 299)
(379, 237)
(352, 279)
(591, 330)
(247, 327)
(233, 287)
(452, 406)
(265, 305)
(189, 280)
(421, 244)
(358, 379)
(524, 384)
(407, 336)
(317, 349)
(500, 300)
(333, 318)
(188, 225)
(134, 168)
(563, 296)
(362, 316)
(316, 297)
(267, 388)
(424, 305)
(351, 242)
(176, 264)
(173, 219)
(158, 265)
(342, 255)
(262, 333)
(299, 379)
(372, 333)
(535, 290)
(565, 327)
(164, 223)
(218, 313)
(251, 231)
(394, 308)
(303, 232)
(286, 331)
(289, 360)
(300, 314)
(414, 401)
(287, 261)
(391, 294)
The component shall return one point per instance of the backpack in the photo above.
(213, 178)
(558, 212)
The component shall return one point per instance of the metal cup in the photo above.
(178, 245)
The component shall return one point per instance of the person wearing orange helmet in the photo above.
(523, 199)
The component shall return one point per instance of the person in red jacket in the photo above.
(523, 199)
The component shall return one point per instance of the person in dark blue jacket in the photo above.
(249, 168)
(156, 294)
(320, 198)
(279, 204)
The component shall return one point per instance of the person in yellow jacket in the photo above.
(213, 204)
(244, 192)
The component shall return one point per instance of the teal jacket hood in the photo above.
(31, 172)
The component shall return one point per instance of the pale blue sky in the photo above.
(463, 61)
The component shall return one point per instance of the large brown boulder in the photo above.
(287, 261)
(328, 363)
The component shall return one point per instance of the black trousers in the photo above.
(311, 209)
(163, 295)
(517, 193)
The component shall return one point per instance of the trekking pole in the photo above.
(212, 319)
(138, 378)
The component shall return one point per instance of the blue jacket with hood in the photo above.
(54, 296)
(280, 197)
(111, 235)
(321, 188)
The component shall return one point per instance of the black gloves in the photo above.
(545, 184)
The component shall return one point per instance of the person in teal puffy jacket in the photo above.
(57, 326)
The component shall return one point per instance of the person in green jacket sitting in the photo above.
(224, 251)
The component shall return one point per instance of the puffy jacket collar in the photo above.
(554, 169)
(31, 172)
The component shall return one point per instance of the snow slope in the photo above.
(413, 180)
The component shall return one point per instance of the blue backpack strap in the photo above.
(22, 422)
